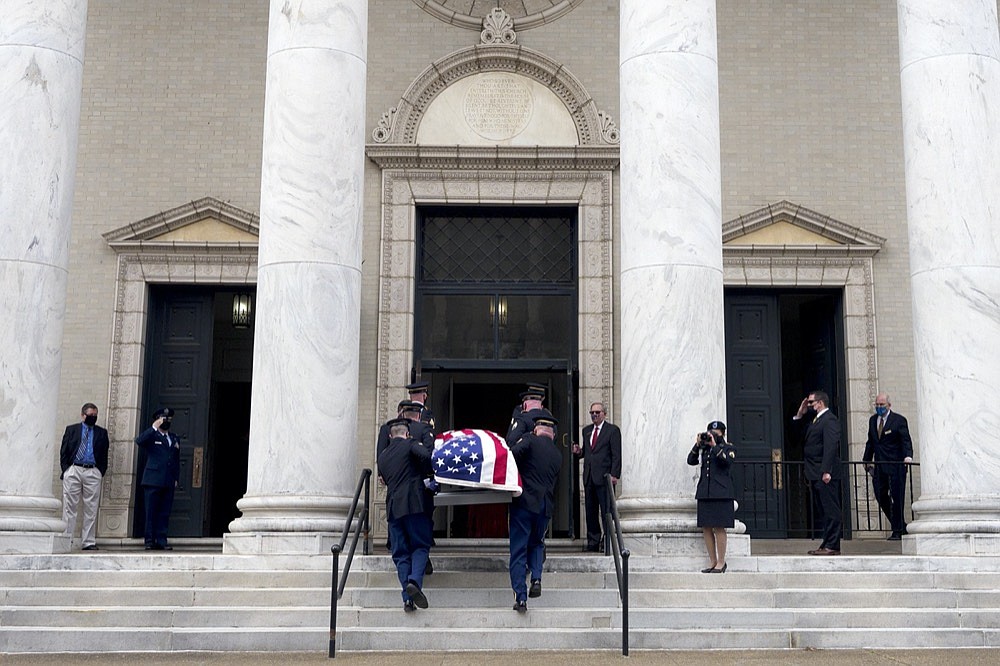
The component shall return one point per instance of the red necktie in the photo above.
(593, 439)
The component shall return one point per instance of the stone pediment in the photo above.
(205, 223)
(496, 95)
(785, 227)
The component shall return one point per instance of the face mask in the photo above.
(881, 411)
(165, 425)
(90, 419)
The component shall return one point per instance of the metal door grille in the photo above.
(506, 246)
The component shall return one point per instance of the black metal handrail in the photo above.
(337, 586)
(621, 554)
(774, 497)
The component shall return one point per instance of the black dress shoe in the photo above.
(408, 606)
(149, 546)
(592, 548)
(722, 570)
(429, 569)
(521, 606)
(416, 595)
(92, 546)
(895, 536)
(166, 547)
(536, 589)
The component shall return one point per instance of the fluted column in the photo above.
(303, 427)
(673, 360)
(950, 76)
(41, 74)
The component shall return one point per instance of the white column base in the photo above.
(279, 543)
(34, 543)
(952, 544)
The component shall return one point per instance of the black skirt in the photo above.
(716, 513)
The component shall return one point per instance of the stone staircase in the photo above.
(125, 602)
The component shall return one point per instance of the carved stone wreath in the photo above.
(526, 14)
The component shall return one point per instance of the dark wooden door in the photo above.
(753, 396)
(178, 375)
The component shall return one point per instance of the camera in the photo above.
(704, 438)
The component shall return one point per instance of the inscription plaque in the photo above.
(498, 106)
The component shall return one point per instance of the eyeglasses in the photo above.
(809, 402)
(595, 413)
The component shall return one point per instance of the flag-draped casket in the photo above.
(473, 458)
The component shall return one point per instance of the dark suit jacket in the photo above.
(895, 443)
(822, 447)
(401, 465)
(71, 442)
(163, 458)
(606, 456)
(538, 462)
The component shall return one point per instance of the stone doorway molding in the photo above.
(204, 242)
(412, 174)
(787, 245)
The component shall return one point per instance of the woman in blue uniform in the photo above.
(716, 510)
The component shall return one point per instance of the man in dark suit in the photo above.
(538, 462)
(890, 447)
(159, 476)
(83, 457)
(821, 452)
(602, 454)
(408, 506)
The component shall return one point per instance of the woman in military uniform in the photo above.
(716, 510)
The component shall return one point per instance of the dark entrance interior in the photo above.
(199, 363)
(780, 344)
(496, 307)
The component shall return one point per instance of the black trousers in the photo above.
(828, 500)
(596, 506)
(889, 483)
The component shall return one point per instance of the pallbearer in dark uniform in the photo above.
(715, 495)
(159, 476)
(408, 505)
(418, 394)
(521, 422)
(418, 430)
(538, 461)
(421, 432)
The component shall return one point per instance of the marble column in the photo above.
(673, 359)
(303, 429)
(41, 74)
(949, 56)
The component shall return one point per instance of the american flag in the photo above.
(475, 459)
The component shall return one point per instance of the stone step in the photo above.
(530, 638)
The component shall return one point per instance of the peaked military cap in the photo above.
(418, 387)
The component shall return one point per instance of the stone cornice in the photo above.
(538, 158)
(785, 211)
